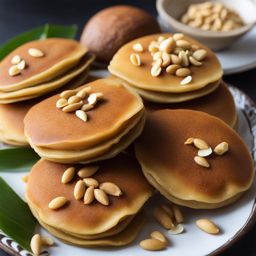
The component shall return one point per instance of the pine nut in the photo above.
(176, 230)
(135, 59)
(182, 72)
(221, 148)
(168, 210)
(155, 70)
(175, 59)
(61, 103)
(35, 244)
(167, 45)
(16, 59)
(183, 44)
(200, 54)
(166, 59)
(73, 107)
(157, 55)
(68, 175)
(87, 107)
(152, 244)
(111, 189)
(204, 152)
(87, 171)
(186, 80)
(172, 69)
(158, 236)
(178, 36)
(194, 62)
(81, 115)
(79, 190)
(68, 93)
(101, 196)
(207, 226)
(21, 65)
(138, 47)
(163, 218)
(189, 141)
(200, 144)
(201, 161)
(13, 71)
(57, 202)
(46, 240)
(74, 99)
(35, 52)
(184, 59)
(177, 214)
(91, 182)
(89, 195)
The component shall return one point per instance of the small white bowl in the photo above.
(171, 11)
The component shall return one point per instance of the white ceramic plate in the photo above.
(233, 220)
(241, 56)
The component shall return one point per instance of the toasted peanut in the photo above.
(135, 59)
(201, 161)
(177, 214)
(159, 236)
(61, 103)
(79, 190)
(172, 69)
(57, 202)
(200, 54)
(182, 72)
(91, 182)
(167, 45)
(88, 171)
(200, 144)
(36, 244)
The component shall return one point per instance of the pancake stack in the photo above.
(114, 221)
(167, 68)
(91, 123)
(35, 69)
(219, 103)
(174, 71)
(200, 162)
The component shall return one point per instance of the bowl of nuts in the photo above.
(216, 24)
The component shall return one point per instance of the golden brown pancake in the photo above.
(219, 103)
(12, 116)
(50, 128)
(59, 56)
(76, 219)
(169, 164)
(164, 97)
(140, 77)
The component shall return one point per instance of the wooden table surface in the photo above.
(17, 16)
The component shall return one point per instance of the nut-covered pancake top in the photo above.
(163, 155)
(58, 55)
(48, 126)
(45, 184)
(140, 76)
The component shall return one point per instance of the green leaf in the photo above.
(16, 219)
(42, 32)
(17, 159)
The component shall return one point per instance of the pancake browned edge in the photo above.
(220, 103)
(112, 125)
(171, 168)
(94, 224)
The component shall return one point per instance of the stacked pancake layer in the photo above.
(91, 224)
(156, 70)
(219, 103)
(111, 126)
(179, 172)
(39, 67)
